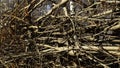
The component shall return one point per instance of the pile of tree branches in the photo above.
(70, 34)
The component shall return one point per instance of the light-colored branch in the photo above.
(111, 49)
(40, 2)
(15, 17)
(65, 11)
(107, 1)
(115, 27)
(103, 13)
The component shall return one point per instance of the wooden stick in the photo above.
(50, 11)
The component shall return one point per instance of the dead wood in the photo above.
(62, 33)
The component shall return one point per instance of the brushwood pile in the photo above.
(60, 34)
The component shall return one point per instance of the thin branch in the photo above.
(50, 11)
